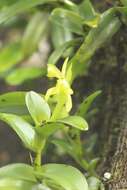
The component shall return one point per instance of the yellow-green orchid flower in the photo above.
(62, 89)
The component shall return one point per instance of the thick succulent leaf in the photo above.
(68, 19)
(75, 121)
(17, 177)
(91, 18)
(108, 26)
(34, 32)
(48, 129)
(15, 184)
(19, 7)
(42, 187)
(18, 171)
(24, 130)
(58, 53)
(38, 108)
(66, 176)
(10, 56)
(13, 102)
(85, 105)
(20, 75)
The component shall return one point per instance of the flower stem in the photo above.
(58, 109)
(37, 161)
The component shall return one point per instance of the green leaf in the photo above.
(93, 164)
(55, 56)
(20, 75)
(86, 10)
(19, 7)
(10, 56)
(18, 171)
(13, 102)
(124, 2)
(70, 5)
(68, 147)
(48, 129)
(6, 3)
(15, 184)
(108, 26)
(17, 177)
(34, 32)
(85, 105)
(73, 149)
(66, 176)
(75, 121)
(59, 35)
(38, 108)
(68, 19)
(24, 130)
(94, 183)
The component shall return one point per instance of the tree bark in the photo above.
(109, 72)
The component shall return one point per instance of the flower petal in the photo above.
(53, 71)
(68, 104)
(64, 67)
(50, 92)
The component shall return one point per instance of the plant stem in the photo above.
(37, 161)
(58, 109)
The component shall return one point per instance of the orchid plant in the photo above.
(41, 117)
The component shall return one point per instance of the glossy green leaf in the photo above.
(57, 54)
(75, 121)
(66, 176)
(68, 19)
(59, 35)
(85, 105)
(48, 129)
(20, 75)
(24, 130)
(17, 177)
(13, 102)
(108, 26)
(91, 18)
(15, 184)
(40, 186)
(70, 5)
(38, 108)
(19, 7)
(18, 171)
(10, 56)
(34, 32)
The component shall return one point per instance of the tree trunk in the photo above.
(109, 72)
